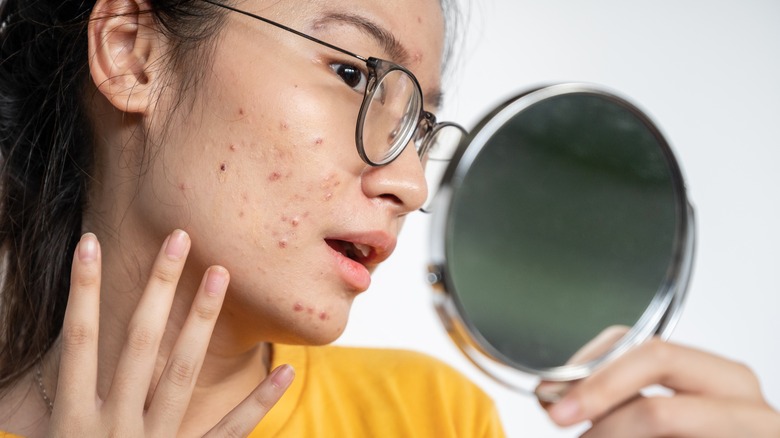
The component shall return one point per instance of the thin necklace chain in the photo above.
(39, 379)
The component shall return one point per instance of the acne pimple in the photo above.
(323, 316)
(283, 243)
(295, 221)
(327, 196)
(318, 141)
(298, 307)
(274, 176)
(233, 148)
(223, 167)
(240, 111)
(419, 19)
(283, 125)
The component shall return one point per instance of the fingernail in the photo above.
(88, 248)
(565, 412)
(282, 376)
(216, 278)
(551, 392)
(176, 244)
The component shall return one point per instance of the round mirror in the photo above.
(562, 235)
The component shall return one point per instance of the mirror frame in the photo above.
(658, 319)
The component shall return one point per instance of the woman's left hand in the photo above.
(713, 397)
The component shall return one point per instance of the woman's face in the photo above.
(264, 173)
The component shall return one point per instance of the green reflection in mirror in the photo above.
(563, 226)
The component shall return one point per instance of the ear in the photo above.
(123, 44)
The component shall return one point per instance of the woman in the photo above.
(237, 133)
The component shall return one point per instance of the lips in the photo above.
(357, 253)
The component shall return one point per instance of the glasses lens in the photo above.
(438, 150)
(390, 116)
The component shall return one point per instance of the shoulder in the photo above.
(410, 384)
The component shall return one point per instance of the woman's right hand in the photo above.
(80, 411)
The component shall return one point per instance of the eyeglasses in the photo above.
(391, 114)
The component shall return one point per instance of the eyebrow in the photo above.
(394, 49)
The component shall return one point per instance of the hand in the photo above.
(713, 397)
(79, 411)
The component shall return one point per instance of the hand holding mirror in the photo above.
(561, 220)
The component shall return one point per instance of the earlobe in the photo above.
(122, 44)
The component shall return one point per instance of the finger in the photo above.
(599, 345)
(76, 385)
(687, 416)
(548, 392)
(245, 417)
(174, 390)
(134, 370)
(681, 369)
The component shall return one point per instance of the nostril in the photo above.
(391, 198)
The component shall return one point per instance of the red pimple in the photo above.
(233, 147)
(240, 214)
(274, 176)
(298, 307)
(295, 221)
(318, 141)
(223, 167)
(283, 243)
(240, 111)
(284, 125)
(323, 316)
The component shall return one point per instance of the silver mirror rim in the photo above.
(659, 318)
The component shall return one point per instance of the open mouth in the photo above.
(354, 251)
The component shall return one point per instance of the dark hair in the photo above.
(47, 155)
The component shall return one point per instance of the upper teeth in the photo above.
(363, 249)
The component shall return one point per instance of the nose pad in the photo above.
(402, 181)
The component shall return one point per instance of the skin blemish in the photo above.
(323, 316)
(283, 243)
(222, 172)
(240, 111)
(298, 307)
(283, 125)
(310, 310)
(274, 176)
(233, 148)
(327, 196)
(240, 214)
(295, 221)
(318, 141)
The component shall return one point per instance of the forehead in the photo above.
(409, 32)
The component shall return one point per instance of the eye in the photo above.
(353, 76)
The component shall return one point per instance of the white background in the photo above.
(708, 72)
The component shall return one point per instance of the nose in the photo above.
(400, 183)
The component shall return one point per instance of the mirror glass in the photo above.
(562, 217)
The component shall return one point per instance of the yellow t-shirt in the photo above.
(360, 392)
